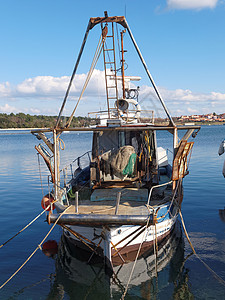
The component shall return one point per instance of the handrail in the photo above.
(70, 166)
(156, 186)
(77, 158)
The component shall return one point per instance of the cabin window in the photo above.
(121, 136)
(107, 141)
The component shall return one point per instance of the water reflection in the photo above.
(222, 214)
(168, 278)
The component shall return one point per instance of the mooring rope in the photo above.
(38, 247)
(139, 249)
(217, 277)
(174, 195)
(25, 226)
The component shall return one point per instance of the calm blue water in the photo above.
(70, 278)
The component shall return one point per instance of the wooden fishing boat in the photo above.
(128, 196)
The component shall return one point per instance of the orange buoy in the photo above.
(46, 201)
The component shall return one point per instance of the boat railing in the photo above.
(156, 186)
(146, 115)
(71, 170)
(169, 154)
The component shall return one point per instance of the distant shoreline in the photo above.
(179, 124)
(17, 128)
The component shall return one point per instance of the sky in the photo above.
(182, 42)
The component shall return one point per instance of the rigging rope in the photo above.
(137, 255)
(217, 277)
(38, 247)
(94, 62)
(168, 210)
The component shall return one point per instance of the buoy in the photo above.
(50, 248)
(46, 201)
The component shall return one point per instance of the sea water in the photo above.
(65, 277)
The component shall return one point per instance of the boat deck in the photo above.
(109, 207)
(132, 201)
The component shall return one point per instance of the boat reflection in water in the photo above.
(222, 214)
(78, 279)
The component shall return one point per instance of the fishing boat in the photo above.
(127, 197)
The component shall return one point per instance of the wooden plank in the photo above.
(180, 160)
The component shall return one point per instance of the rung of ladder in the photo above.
(109, 36)
(110, 62)
(108, 49)
(111, 87)
(112, 97)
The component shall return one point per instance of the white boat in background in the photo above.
(127, 197)
(220, 152)
(221, 147)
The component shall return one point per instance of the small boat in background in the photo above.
(221, 147)
(125, 200)
(220, 152)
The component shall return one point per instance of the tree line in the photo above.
(22, 120)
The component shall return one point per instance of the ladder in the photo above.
(110, 68)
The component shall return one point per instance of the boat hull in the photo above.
(118, 244)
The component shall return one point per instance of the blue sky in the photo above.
(182, 41)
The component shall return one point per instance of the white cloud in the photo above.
(184, 95)
(44, 95)
(56, 86)
(191, 4)
(4, 89)
(8, 109)
(181, 101)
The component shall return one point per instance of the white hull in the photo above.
(117, 242)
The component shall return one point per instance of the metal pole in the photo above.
(55, 163)
(76, 202)
(149, 75)
(122, 50)
(117, 202)
(175, 141)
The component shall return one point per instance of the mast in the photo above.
(122, 21)
(122, 61)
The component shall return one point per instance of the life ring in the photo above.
(46, 201)
(126, 115)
